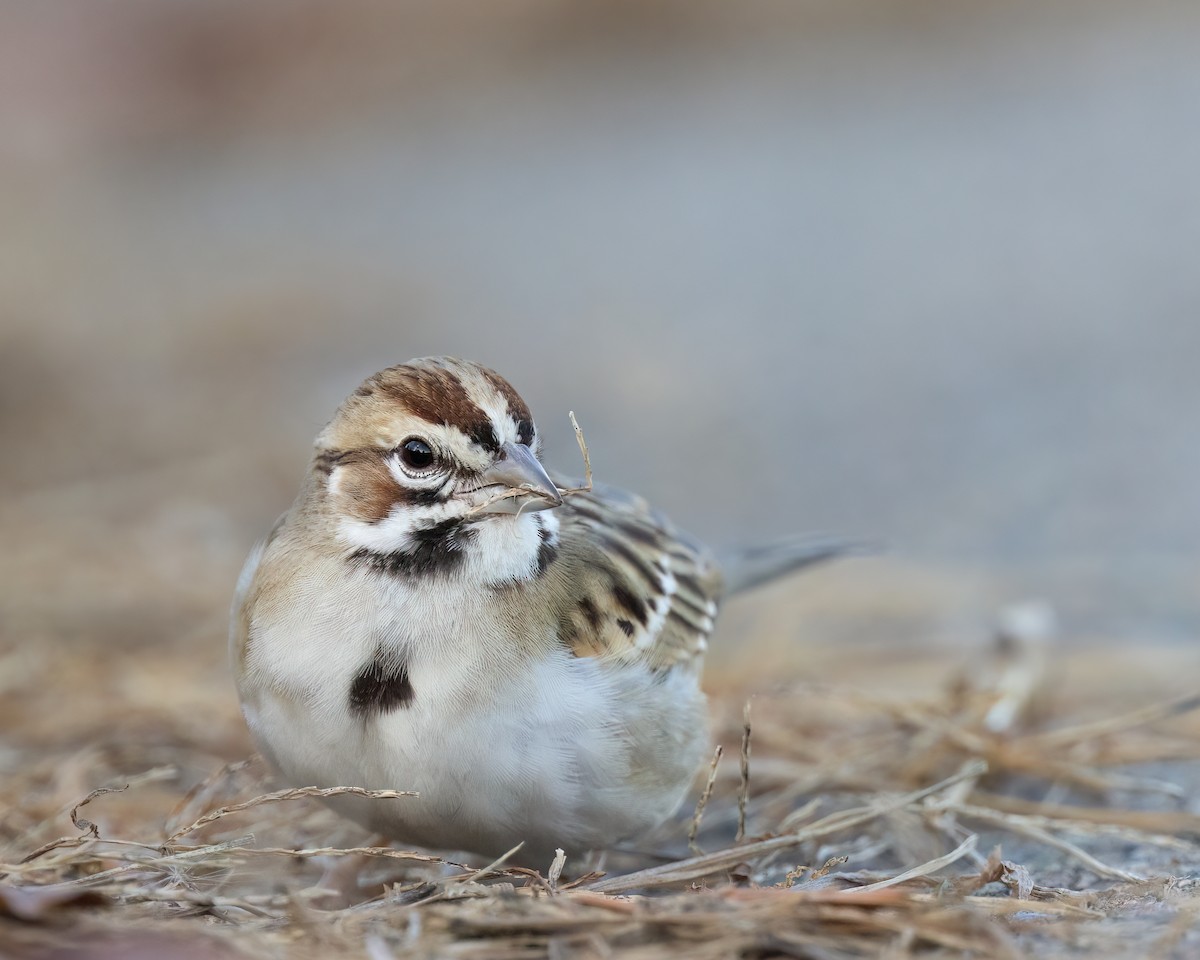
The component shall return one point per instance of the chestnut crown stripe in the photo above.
(438, 395)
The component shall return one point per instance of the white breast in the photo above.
(556, 752)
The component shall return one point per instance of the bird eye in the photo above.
(417, 454)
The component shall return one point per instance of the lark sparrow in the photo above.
(433, 614)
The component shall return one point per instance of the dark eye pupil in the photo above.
(416, 454)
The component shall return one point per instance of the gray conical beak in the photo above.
(519, 469)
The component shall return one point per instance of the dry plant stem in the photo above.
(1083, 827)
(1151, 821)
(945, 821)
(87, 825)
(385, 853)
(281, 795)
(556, 868)
(744, 785)
(587, 460)
(1100, 728)
(192, 853)
(1011, 905)
(705, 794)
(176, 895)
(1015, 756)
(220, 776)
(513, 492)
(1035, 831)
(495, 864)
(799, 815)
(931, 866)
(45, 848)
(826, 867)
(76, 844)
(701, 866)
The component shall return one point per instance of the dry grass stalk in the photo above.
(385, 853)
(1015, 905)
(556, 868)
(1143, 716)
(705, 795)
(495, 865)
(924, 869)
(1151, 821)
(279, 796)
(1085, 827)
(1023, 827)
(587, 460)
(744, 783)
(695, 867)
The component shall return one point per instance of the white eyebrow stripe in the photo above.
(492, 402)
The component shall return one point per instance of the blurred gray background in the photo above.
(924, 272)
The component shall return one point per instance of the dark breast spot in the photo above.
(381, 686)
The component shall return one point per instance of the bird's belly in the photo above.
(571, 754)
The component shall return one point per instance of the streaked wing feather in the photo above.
(641, 590)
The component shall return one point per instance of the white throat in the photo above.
(490, 551)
